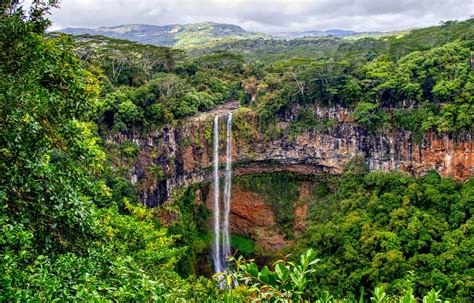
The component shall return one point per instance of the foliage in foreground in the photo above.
(289, 281)
(55, 244)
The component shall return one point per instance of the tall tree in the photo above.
(47, 148)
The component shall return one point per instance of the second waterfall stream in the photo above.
(221, 250)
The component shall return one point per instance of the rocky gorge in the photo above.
(177, 156)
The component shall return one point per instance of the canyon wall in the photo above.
(252, 214)
(181, 155)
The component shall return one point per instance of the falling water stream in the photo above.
(220, 255)
(227, 190)
(217, 248)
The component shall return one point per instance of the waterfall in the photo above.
(227, 189)
(220, 259)
(217, 249)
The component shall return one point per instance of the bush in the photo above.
(130, 149)
(242, 243)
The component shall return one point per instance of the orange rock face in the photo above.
(188, 159)
(301, 211)
(251, 216)
(449, 158)
(251, 208)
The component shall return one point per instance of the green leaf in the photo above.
(252, 269)
(282, 272)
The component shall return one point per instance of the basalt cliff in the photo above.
(175, 157)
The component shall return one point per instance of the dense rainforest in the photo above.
(72, 225)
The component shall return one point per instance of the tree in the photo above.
(48, 147)
(54, 242)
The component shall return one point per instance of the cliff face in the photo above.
(253, 215)
(182, 155)
(250, 215)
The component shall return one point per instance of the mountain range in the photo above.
(177, 35)
(315, 33)
(193, 35)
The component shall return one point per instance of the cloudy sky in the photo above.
(265, 15)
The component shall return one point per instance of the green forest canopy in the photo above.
(68, 235)
(419, 82)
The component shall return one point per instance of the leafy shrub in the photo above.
(242, 243)
(289, 281)
(130, 149)
(368, 115)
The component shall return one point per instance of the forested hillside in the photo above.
(418, 82)
(196, 35)
(72, 225)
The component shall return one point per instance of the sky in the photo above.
(264, 15)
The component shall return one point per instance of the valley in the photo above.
(200, 162)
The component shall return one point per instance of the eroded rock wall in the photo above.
(183, 153)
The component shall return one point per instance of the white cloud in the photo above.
(264, 15)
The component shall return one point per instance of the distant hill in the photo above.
(331, 47)
(185, 36)
(196, 34)
(329, 32)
